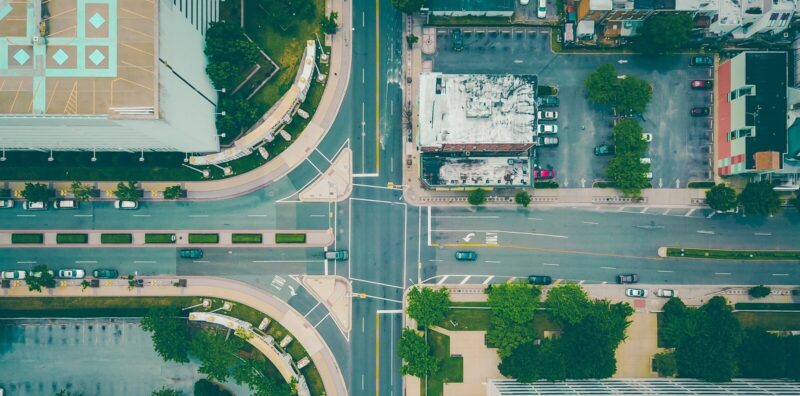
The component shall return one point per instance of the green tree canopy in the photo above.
(240, 114)
(287, 13)
(428, 306)
(36, 192)
(628, 174)
(759, 199)
(514, 301)
(411, 40)
(627, 135)
(477, 197)
(523, 198)
(652, 39)
(40, 276)
(665, 364)
(522, 364)
(217, 355)
(416, 355)
(164, 391)
(329, 24)
(80, 191)
(721, 197)
(632, 95)
(760, 291)
(506, 335)
(128, 192)
(173, 192)
(601, 85)
(568, 303)
(408, 6)
(170, 333)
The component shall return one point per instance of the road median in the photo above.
(726, 254)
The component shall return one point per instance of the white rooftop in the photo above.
(476, 109)
(487, 171)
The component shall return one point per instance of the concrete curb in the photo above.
(662, 251)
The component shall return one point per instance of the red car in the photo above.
(543, 174)
(702, 84)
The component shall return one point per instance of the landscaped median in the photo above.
(724, 254)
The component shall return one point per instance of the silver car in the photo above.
(74, 273)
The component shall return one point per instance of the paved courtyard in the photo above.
(680, 147)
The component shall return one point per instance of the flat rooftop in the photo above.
(476, 171)
(78, 58)
(476, 109)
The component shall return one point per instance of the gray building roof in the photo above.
(470, 5)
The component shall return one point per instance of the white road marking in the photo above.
(26, 215)
(610, 268)
(535, 218)
(705, 232)
(26, 262)
(321, 320)
(690, 212)
(466, 217)
(144, 262)
(362, 325)
(318, 215)
(429, 225)
(763, 233)
(644, 210)
(82, 215)
(487, 280)
(382, 298)
(376, 283)
(665, 271)
(465, 280)
(200, 215)
(551, 264)
(201, 261)
(780, 274)
(441, 280)
(590, 222)
(312, 309)
(288, 261)
(508, 232)
(256, 215)
(492, 262)
(86, 262)
(722, 273)
(140, 215)
(435, 261)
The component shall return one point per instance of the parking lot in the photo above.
(680, 150)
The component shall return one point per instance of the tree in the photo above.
(477, 197)
(763, 355)
(675, 323)
(222, 74)
(632, 95)
(522, 364)
(601, 84)
(36, 192)
(408, 6)
(217, 355)
(411, 40)
(665, 364)
(760, 291)
(628, 174)
(523, 198)
(721, 198)
(288, 13)
(416, 355)
(173, 192)
(170, 334)
(506, 335)
(80, 191)
(40, 276)
(758, 198)
(568, 303)
(514, 301)
(248, 372)
(128, 192)
(164, 391)
(627, 135)
(653, 41)
(428, 306)
(329, 24)
(240, 114)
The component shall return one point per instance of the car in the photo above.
(541, 11)
(666, 293)
(66, 204)
(105, 274)
(699, 60)
(627, 278)
(34, 205)
(548, 101)
(39, 274)
(13, 274)
(545, 141)
(6, 203)
(548, 129)
(523, 2)
(547, 115)
(340, 255)
(540, 280)
(647, 137)
(648, 175)
(466, 256)
(636, 292)
(700, 111)
(191, 253)
(458, 41)
(702, 84)
(603, 149)
(126, 205)
(74, 273)
(645, 161)
(543, 174)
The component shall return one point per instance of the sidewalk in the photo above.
(227, 289)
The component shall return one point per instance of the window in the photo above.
(740, 133)
(743, 91)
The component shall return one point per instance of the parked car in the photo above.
(547, 115)
(699, 60)
(523, 2)
(543, 174)
(666, 293)
(603, 149)
(648, 175)
(66, 204)
(541, 11)
(636, 292)
(6, 203)
(458, 41)
(105, 274)
(39, 274)
(34, 205)
(74, 273)
(627, 278)
(645, 161)
(548, 129)
(191, 253)
(647, 137)
(702, 84)
(545, 141)
(548, 101)
(540, 280)
(466, 256)
(13, 274)
(340, 255)
(700, 111)
(127, 205)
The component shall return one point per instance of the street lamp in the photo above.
(94, 154)
(3, 157)
(141, 156)
(50, 158)
(221, 113)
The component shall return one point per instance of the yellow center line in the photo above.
(377, 353)
(377, 87)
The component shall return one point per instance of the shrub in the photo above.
(665, 364)
(203, 238)
(247, 238)
(760, 291)
(159, 238)
(290, 238)
(116, 238)
(477, 197)
(27, 238)
(72, 238)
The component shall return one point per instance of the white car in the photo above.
(14, 274)
(523, 2)
(648, 175)
(34, 205)
(547, 115)
(71, 273)
(636, 292)
(129, 205)
(541, 12)
(645, 161)
(548, 129)
(647, 137)
(6, 203)
(666, 293)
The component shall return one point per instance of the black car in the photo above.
(701, 61)
(105, 274)
(603, 149)
(540, 280)
(627, 278)
(700, 111)
(458, 42)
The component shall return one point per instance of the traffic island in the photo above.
(724, 254)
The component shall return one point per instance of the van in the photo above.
(66, 204)
(541, 12)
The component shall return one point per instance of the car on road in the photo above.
(540, 280)
(72, 273)
(666, 293)
(603, 149)
(340, 255)
(547, 115)
(466, 256)
(700, 111)
(105, 274)
(699, 60)
(6, 203)
(548, 101)
(543, 174)
(627, 278)
(34, 205)
(647, 137)
(458, 40)
(548, 129)
(13, 274)
(636, 292)
(128, 205)
(191, 253)
(66, 204)
(545, 141)
(645, 161)
(702, 84)
(541, 11)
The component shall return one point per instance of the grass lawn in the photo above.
(159, 238)
(82, 307)
(467, 318)
(542, 322)
(290, 238)
(735, 254)
(769, 320)
(116, 238)
(247, 238)
(27, 238)
(452, 369)
(72, 238)
(203, 238)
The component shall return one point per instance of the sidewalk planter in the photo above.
(735, 254)
(159, 238)
(72, 238)
(767, 306)
(116, 238)
(545, 184)
(703, 184)
(290, 238)
(247, 238)
(203, 238)
(27, 238)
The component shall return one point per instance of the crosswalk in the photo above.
(475, 280)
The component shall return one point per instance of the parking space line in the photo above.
(315, 307)
(690, 212)
(487, 280)
(465, 280)
(441, 280)
(323, 318)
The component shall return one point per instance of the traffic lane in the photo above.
(373, 258)
(364, 79)
(151, 261)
